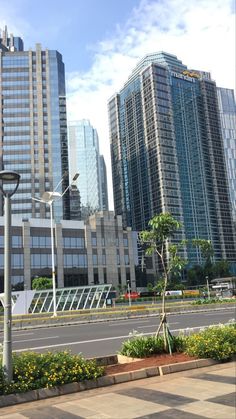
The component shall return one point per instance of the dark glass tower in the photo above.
(227, 106)
(167, 152)
(33, 128)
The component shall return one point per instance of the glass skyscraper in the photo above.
(103, 171)
(168, 155)
(227, 106)
(33, 126)
(85, 159)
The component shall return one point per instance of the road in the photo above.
(98, 339)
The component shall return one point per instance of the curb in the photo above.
(109, 318)
(106, 380)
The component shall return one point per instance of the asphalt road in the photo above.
(98, 339)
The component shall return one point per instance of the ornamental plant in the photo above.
(163, 228)
(33, 371)
(139, 346)
(162, 240)
(202, 301)
(216, 342)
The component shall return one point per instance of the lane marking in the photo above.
(130, 322)
(104, 339)
(228, 313)
(22, 334)
(30, 340)
(155, 325)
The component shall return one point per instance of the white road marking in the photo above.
(130, 322)
(103, 339)
(22, 334)
(155, 325)
(228, 313)
(27, 340)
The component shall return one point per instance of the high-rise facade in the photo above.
(104, 192)
(227, 107)
(167, 152)
(84, 158)
(33, 126)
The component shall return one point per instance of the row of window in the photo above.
(44, 260)
(17, 261)
(45, 241)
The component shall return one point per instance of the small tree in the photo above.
(41, 283)
(149, 287)
(207, 253)
(157, 240)
(221, 269)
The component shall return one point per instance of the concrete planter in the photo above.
(107, 380)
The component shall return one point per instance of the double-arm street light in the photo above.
(49, 198)
(9, 182)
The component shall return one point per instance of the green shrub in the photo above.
(212, 301)
(33, 371)
(216, 342)
(144, 346)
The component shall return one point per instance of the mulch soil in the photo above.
(152, 361)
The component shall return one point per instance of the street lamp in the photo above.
(129, 291)
(208, 289)
(12, 179)
(49, 198)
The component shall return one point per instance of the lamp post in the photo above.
(128, 286)
(12, 179)
(208, 288)
(49, 198)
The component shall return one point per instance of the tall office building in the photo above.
(85, 159)
(104, 197)
(33, 127)
(227, 107)
(167, 152)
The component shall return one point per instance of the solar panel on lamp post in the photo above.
(12, 179)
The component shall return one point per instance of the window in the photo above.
(126, 259)
(17, 260)
(125, 241)
(43, 260)
(16, 241)
(40, 241)
(95, 260)
(75, 261)
(118, 259)
(73, 242)
(104, 259)
(94, 239)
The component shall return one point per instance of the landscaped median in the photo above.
(109, 314)
(38, 376)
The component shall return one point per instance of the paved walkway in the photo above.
(196, 394)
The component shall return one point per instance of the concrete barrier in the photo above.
(106, 380)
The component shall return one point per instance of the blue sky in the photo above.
(72, 26)
(102, 40)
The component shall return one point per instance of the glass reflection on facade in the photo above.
(85, 159)
(167, 153)
(33, 133)
(228, 124)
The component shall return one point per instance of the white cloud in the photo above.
(199, 32)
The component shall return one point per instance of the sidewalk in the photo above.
(195, 394)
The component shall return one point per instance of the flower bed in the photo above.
(33, 371)
(215, 342)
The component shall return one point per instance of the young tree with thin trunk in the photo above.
(158, 240)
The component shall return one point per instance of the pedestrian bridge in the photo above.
(74, 298)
